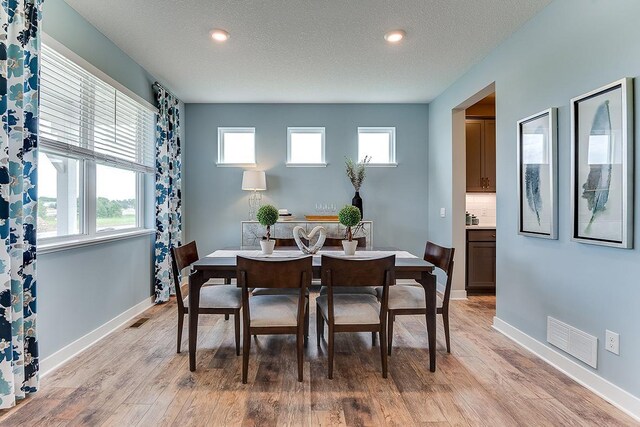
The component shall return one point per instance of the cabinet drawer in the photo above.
(481, 235)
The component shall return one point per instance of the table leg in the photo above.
(429, 284)
(195, 283)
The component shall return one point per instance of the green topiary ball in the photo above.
(349, 216)
(267, 215)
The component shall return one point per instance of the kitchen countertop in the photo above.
(480, 227)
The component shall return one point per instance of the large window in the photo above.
(305, 146)
(236, 146)
(96, 145)
(378, 143)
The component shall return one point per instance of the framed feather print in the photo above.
(537, 175)
(602, 165)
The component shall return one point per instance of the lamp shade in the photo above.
(254, 180)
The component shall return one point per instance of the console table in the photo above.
(252, 231)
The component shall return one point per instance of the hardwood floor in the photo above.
(134, 377)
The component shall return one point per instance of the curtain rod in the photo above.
(158, 85)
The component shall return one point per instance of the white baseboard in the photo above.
(60, 357)
(455, 293)
(610, 392)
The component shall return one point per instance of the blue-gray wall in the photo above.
(81, 289)
(569, 48)
(215, 203)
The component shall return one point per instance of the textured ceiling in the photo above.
(307, 50)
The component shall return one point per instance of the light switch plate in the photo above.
(443, 212)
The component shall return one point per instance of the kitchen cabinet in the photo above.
(481, 155)
(481, 261)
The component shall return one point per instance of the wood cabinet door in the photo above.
(481, 266)
(475, 134)
(489, 155)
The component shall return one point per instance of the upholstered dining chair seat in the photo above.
(356, 290)
(407, 297)
(350, 309)
(219, 296)
(277, 291)
(273, 310)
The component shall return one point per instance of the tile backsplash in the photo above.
(482, 205)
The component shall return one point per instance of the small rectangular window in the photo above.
(305, 146)
(378, 143)
(116, 198)
(236, 146)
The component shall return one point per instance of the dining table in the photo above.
(222, 264)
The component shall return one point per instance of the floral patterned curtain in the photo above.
(19, 91)
(168, 197)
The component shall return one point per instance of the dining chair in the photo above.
(337, 242)
(282, 242)
(409, 298)
(274, 314)
(370, 290)
(214, 299)
(349, 312)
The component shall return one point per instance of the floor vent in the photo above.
(579, 344)
(141, 321)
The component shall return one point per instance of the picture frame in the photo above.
(602, 165)
(538, 175)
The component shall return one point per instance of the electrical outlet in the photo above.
(443, 212)
(612, 342)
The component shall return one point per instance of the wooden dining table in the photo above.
(222, 264)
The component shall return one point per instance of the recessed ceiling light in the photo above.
(394, 36)
(220, 35)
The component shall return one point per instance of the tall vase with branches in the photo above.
(356, 172)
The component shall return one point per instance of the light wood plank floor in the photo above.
(134, 377)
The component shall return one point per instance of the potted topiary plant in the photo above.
(267, 215)
(349, 216)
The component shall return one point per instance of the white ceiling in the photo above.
(307, 50)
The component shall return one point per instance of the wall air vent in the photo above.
(579, 344)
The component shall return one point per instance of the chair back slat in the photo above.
(289, 242)
(442, 258)
(181, 258)
(350, 272)
(334, 241)
(288, 273)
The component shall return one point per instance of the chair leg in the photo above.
(373, 339)
(300, 342)
(445, 320)
(180, 324)
(236, 319)
(319, 325)
(246, 346)
(226, 317)
(306, 324)
(330, 350)
(390, 321)
(383, 351)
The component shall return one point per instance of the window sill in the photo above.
(382, 165)
(236, 165)
(307, 165)
(46, 248)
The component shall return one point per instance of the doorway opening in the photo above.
(474, 196)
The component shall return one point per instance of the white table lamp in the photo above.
(254, 181)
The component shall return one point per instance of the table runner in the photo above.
(297, 254)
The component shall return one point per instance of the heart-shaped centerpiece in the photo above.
(299, 232)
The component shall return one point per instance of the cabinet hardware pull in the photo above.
(488, 182)
(493, 235)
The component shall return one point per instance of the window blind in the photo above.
(82, 116)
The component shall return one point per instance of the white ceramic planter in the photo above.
(267, 246)
(349, 247)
